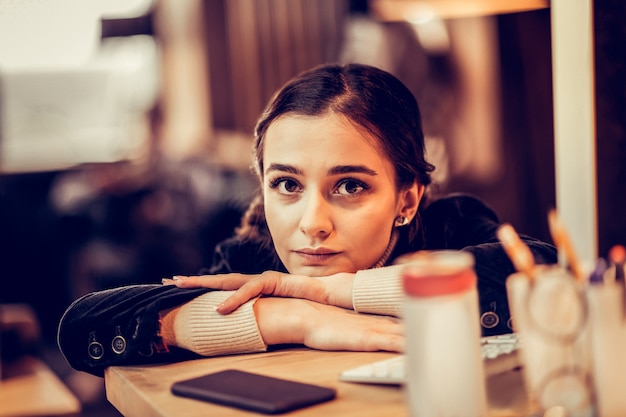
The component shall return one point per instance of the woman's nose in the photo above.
(316, 216)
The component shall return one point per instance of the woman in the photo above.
(340, 156)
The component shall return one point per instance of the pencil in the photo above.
(617, 257)
(563, 243)
(519, 253)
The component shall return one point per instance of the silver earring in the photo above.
(401, 221)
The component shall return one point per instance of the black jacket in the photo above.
(120, 326)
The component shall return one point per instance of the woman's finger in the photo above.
(244, 294)
(277, 284)
(250, 286)
(218, 282)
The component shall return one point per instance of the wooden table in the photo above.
(29, 388)
(144, 391)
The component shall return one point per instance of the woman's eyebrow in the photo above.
(336, 170)
(351, 169)
(283, 168)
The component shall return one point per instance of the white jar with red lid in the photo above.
(445, 375)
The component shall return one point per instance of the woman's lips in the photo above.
(316, 256)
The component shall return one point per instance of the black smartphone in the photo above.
(254, 392)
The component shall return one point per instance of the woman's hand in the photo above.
(332, 290)
(324, 327)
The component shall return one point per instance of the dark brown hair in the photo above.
(367, 96)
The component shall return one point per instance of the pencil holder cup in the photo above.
(607, 318)
(550, 314)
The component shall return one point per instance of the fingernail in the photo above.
(167, 281)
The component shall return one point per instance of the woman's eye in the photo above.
(285, 185)
(350, 187)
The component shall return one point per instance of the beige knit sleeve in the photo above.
(200, 329)
(378, 291)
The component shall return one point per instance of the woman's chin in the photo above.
(318, 270)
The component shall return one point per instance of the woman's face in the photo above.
(330, 195)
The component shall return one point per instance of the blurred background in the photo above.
(126, 125)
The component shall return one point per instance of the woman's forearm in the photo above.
(325, 327)
(376, 291)
(284, 321)
(379, 291)
(197, 327)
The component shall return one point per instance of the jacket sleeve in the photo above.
(120, 326)
(464, 222)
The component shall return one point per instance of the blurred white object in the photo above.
(441, 302)
(67, 97)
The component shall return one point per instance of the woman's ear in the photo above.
(410, 199)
